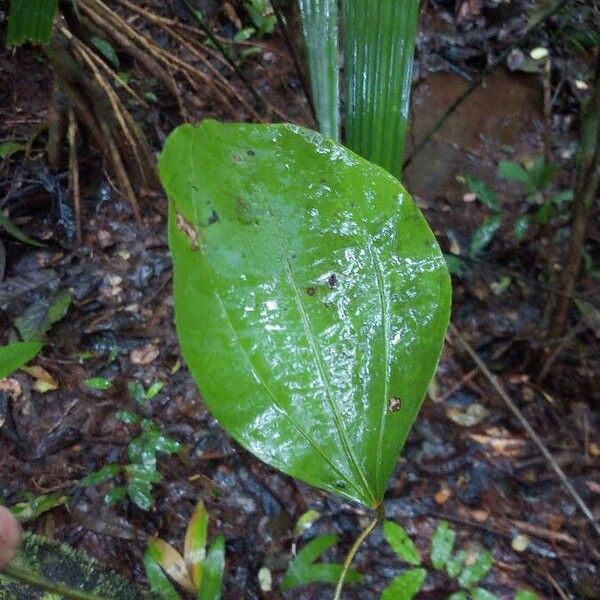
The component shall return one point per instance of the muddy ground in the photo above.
(484, 475)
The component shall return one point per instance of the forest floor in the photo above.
(467, 461)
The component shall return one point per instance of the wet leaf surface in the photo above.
(50, 441)
(320, 285)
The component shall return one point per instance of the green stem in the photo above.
(350, 557)
(33, 579)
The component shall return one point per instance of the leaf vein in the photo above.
(319, 362)
(271, 393)
(386, 353)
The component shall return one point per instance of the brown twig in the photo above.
(74, 173)
(588, 180)
(457, 386)
(556, 586)
(497, 385)
(261, 102)
(293, 50)
(545, 533)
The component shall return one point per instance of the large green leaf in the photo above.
(379, 46)
(311, 298)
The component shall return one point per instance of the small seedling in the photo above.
(33, 506)
(465, 571)
(535, 177)
(141, 473)
(140, 394)
(197, 571)
(408, 583)
(304, 570)
(485, 233)
(261, 14)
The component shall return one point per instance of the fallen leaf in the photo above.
(145, 355)
(511, 447)
(468, 10)
(11, 386)
(474, 414)
(265, 579)
(520, 542)
(480, 515)
(593, 486)
(442, 495)
(44, 382)
(555, 521)
(539, 53)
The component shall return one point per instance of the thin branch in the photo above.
(293, 50)
(497, 385)
(74, 172)
(588, 180)
(258, 98)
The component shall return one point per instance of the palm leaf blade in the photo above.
(379, 47)
(320, 24)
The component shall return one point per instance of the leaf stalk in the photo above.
(352, 553)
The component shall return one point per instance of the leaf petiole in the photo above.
(352, 553)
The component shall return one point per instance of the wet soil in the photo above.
(487, 479)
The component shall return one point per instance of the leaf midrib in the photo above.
(347, 448)
(274, 398)
(386, 353)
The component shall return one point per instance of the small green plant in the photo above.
(31, 506)
(536, 178)
(140, 394)
(262, 16)
(196, 571)
(406, 585)
(39, 316)
(465, 571)
(281, 353)
(100, 384)
(137, 478)
(485, 233)
(304, 570)
(16, 355)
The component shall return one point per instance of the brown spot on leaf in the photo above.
(188, 230)
(394, 404)
(251, 153)
(332, 280)
(214, 218)
(311, 291)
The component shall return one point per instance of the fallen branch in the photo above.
(497, 385)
